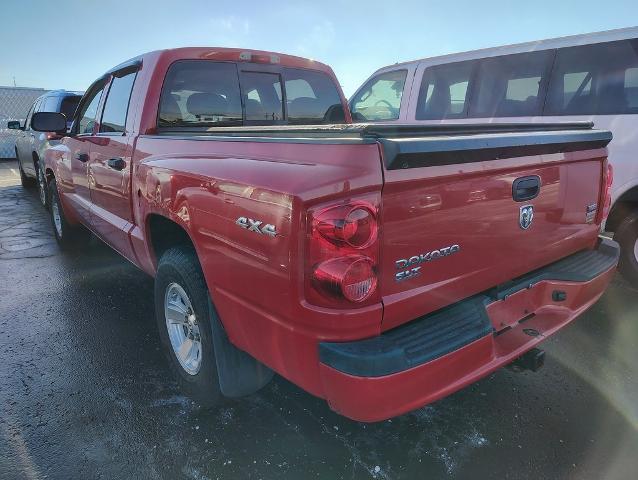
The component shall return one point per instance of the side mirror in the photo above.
(49, 122)
(14, 125)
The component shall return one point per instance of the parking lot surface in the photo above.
(85, 391)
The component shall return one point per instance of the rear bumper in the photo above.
(440, 353)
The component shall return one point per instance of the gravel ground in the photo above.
(86, 393)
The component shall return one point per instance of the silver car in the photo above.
(30, 145)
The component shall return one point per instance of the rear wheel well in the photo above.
(627, 203)
(165, 234)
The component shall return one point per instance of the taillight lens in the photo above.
(343, 253)
(351, 277)
(609, 179)
(354, 225)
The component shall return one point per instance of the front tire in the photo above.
(42, 186)
(68, 236)
(26, 182)
(627, 236)
(183, 314)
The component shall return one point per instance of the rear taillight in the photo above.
(343, 253)
(351, 277)
(354, 225)
(609, 179)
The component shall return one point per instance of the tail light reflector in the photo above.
(609, 179)
(352, 277)
(343, 253)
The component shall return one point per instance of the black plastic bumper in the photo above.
(441, 332)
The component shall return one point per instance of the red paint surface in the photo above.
(258, 283)
(374, 399)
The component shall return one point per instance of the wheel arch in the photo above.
(625, 204)
(163, 233)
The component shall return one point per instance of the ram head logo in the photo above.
(526, 217)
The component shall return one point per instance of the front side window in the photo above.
(27, 121)
(380, 98)
(511, 85)
(200, 93)
(88, 110)
(68, 105)
(311, 98)
(262, 96)
(116, 105)
(444, 91)
(595, 79)
(50, 104)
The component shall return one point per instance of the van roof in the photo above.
(558, 42)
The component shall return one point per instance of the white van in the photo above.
(584, 77)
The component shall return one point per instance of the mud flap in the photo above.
(239, 373)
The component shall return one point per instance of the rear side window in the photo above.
(444, 91)
(201, 94)
(511, 85)
(380, 97)
(262, 97)
(116, 105)
(69, 105)
(311, 98)
(595, 79)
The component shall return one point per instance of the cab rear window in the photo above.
(202, 93)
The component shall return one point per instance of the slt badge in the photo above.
(526, 216)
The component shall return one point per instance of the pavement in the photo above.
(86, 393)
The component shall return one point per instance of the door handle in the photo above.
(82, 157)
(526, 188)
(117, 163)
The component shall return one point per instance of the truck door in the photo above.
(80, 143)
(110, 167)
(24, 142)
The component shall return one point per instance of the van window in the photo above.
(511, 85)
(595, 79)
(380, 98)
(262, 96)
(311, 98)
(69, 105)
(116, 105)
(50, 104)
(444, 91)
(200, 93)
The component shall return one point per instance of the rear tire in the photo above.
(183, 314)
(68, 236)
(627, 236)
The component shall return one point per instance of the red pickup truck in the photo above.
(378, 267)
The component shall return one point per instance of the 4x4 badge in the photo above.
(257, 226)
(526, 216)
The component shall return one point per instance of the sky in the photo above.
(69, 43)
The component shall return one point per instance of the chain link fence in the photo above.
(14, 105)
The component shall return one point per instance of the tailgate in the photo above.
(467, 211)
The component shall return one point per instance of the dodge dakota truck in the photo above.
(379, 267)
